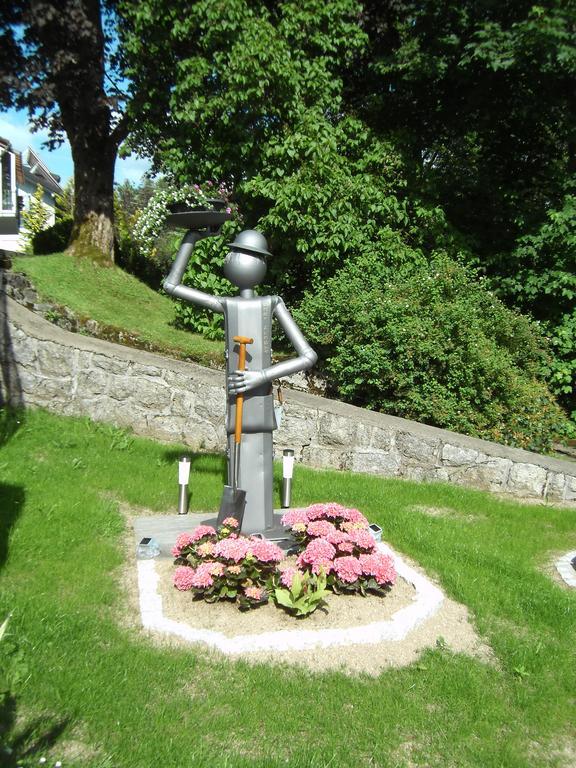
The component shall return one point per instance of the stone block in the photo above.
(526, 480)
(425, 474)
(492, 470)
(210, 403)
(374, 462)
(152, 394)
(55, 360)
(182, 403)
(145, 370)
(456, 456)
(555, 486)
(336, 430)
(24, 353)
(323, 457)
(421, 449)
(119, 388)
(47, 392)
(90, 383)
(570, 489)
(382, 439)
(110, 364)
(298, 428)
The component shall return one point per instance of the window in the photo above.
(6, 182)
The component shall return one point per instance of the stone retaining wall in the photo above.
(44, 365)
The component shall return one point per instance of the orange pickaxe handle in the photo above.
(242, 341)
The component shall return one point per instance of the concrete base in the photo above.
(166, 528)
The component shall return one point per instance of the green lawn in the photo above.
(80, 676)
(115, 298)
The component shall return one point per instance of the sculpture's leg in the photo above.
(257, 479)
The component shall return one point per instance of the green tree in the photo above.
(59, 62)
(426, 340)
(480, 97)
(34, 218)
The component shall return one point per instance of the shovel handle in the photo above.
(242, 341)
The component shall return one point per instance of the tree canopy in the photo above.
(60, 63)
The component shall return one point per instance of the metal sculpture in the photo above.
(246, 315)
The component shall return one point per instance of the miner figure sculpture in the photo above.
(250, 316)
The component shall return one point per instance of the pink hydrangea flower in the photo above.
(202, 531)
(234, 569)
(216, 569)
(337, 537)
(345, 546)
(254, 593)
(324, 511)
(347, 569)
(355, 516)
(294, 516)
(202, 576)
(320, 528)
(230, 522)
(348, 525)
(287, 575)
(205, 549)
(318, 554)
(363, 539)
(183, 540)
(380, 566)
(232, 548)
(265, 551)
(183, 578)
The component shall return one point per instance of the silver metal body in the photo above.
(182, 499)
(286, 492)
(248, 315)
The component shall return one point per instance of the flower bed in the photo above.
(334, 550)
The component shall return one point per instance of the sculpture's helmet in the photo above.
(252, 242)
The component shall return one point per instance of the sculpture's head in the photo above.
(245, 264)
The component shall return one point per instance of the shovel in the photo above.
(234, 498)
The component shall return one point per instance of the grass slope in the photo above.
(115, 298)
(79, 677)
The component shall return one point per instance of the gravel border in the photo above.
(565, 568)
(427, 602)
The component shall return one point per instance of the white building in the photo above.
(20, 175)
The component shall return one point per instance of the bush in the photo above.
(55, 239)
(428, 341)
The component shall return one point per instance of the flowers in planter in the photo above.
(152, 219)
(336, 541)
(335, 551)
(223, 565)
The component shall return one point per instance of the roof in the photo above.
(33, 169)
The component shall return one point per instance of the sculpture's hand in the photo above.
(244, 381)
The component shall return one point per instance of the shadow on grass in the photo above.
(201, 463)
(11, 503)
(31, 740)
(11, 394)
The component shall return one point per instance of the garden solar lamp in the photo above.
(287, 472)
(183, 479)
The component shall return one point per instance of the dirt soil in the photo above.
(449, 628)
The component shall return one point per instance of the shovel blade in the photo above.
(232, 505)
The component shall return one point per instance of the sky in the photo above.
(15, 127)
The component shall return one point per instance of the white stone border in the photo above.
(565, 569)
(425, 604)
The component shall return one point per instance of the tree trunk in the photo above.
(93, 231)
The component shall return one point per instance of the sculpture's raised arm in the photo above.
(173, 283)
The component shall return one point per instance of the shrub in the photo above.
(221, 565)
(428, 341)
(55, 239)
(34, 218)
(335, 542)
